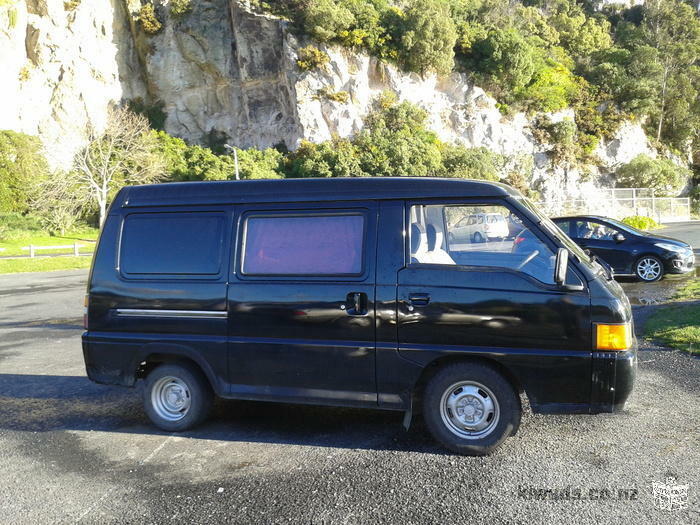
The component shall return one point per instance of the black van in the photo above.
(353, 292)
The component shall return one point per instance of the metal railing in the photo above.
(619, 203)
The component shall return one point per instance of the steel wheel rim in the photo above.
(171, 398)
(469, 410)
(648, 269)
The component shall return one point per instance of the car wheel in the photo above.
(470, 408)
(177, 397)
(478, 237)
(649, 268)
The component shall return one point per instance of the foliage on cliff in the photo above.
(609, 64)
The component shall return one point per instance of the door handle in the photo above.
(356, 303)
(419, 299)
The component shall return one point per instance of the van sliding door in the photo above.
(301, 304)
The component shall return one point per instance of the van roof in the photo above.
(306, 190)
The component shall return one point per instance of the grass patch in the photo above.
(677, 327)
(44, 264)
(689, 292)
(12, 241)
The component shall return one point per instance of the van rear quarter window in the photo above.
(304, 245)
(172, 244)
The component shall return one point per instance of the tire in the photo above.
(482, 390)
(177, 397)
(478, 237)
(649, 268)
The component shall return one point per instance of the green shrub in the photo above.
(179, 8)
(660, 175)
(71, 5)
(149, 19)
(335, 158)
(22, 168)
(506, 58)
(259, 164)
(641, 223)
(327, 93)
(311, 57)
(429, 37)
(471, 163)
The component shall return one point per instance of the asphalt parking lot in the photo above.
(72, 451)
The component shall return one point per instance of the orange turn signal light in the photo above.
(613, 337)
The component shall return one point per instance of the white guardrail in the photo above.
(75, 247)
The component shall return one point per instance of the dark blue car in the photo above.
(629, 251)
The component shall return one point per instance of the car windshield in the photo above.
(552, 228)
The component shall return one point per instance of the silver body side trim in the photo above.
(179, 314)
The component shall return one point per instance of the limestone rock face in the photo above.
(223, 73)
(61, 68)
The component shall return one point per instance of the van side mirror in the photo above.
(561, 266)
(618, 238)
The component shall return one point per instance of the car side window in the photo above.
(586, 229)
(565, 226)
(501, 241)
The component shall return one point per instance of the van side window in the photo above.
(172, 244)
(318, 244)
(439, 235)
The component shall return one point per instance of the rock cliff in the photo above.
(225, 72)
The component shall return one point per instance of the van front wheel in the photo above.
(470, 408)
(177, 397)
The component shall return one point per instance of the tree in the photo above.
(672, 28)
(325, 19)
(660, 175)
(22, 167)
(471, 163)
(506, 57)
(334, 158)
(122, 153)
(429, 37)
(60, 202)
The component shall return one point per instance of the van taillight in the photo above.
(86, 302)
(518, 240)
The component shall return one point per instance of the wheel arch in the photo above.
(154, 354)
(431, 368)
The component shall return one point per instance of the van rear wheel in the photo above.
(177, 397)
(470, 408)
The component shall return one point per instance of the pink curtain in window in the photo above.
(312, 245)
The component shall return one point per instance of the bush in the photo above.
(506, 57)
(471, 163)
(71, 5)
(149, 19)
(22, 168)
(335, 158)
(179, 8)
(429, 37)
(327, 93)
(660, 175)
(259, 164)
(311, 57)
(641, 223)
(14, 225)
